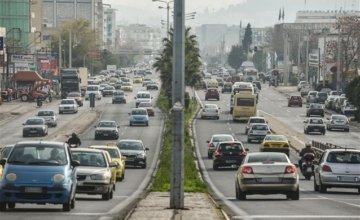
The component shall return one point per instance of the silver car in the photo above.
(210, 111)
(267, 173)
(254, 119)
(49, 116)
(68, 105)
(338, 122)
(35, 126)
(257, 132)
(337, 168)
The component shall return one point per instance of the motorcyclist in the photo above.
(305, 150)
(74, 140)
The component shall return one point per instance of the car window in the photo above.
(34, 122)
(257, 120)
(275, 138)
(259, 127)
(113, 153)
(94, 159)
(130, 145)
(45, 113)
(344, 157)
(222, 138)
(316, 121)
(143, 95)
(230, 147)
(138, 112)
(5, 152)
(258, 158)
(144, 104)
(66, 102)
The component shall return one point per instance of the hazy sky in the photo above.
(259, 13)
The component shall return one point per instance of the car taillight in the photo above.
(290, 169)
(326, 168)
(218, 153)
(247, 170)
(211, 145)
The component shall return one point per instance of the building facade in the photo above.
(109, 28)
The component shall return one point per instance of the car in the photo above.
(102, 86)
(127, 86)
(210, 111)
(267, 173)
(107, 130)
(229, 153)
(338, 102)
(337, 168)
(116, 157)
(338, 122)
(49, 116)
(220, 81)
(68, 106)
(93, 89)
(94, 173)
(148, 106)
(212, 94)
(330, 101)
(39, 172)
(134, 151)
(4, 153)
(146, 81)
(347, 108)
(35, 126)
(227, 87)
(311, 97)
(118, 97)
(321, 97)
(314, 125)
(275, 143)
(152, 86)
(77, 96)
(207, 76)
(138, 116)
(336, 93)
(138, 79)
(142, 96)
(315, 109)
(215, 139)
(295, 100)
(257, 132)
(301, 84)
(305, 89)
(108, 90)
(254, 119)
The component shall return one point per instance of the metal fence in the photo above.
(320, 147)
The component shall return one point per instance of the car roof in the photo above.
(130, 140)
(215, 135)
(342, 149)
(252, 124)
(58, 143)
(83, 149)
(103, 147)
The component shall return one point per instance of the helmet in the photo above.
(308, 145)
(73, 135)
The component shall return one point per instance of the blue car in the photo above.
(38, 172)
(139, 116)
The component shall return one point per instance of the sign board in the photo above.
(313, 59)
(22, 58)
(111, 67)
(2, 32)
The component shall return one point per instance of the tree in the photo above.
(236, 57)
(259, 60)
(353, 93)
(247, 41)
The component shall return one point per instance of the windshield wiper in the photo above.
(16, 161)
(44, 163)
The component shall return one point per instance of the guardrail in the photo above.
(320, 147)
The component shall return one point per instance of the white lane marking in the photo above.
(338, 201)
(288, 110)
(297, 217)
(297, 139)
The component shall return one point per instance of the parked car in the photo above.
(94, 174)
(68, 105)
(295, 100)
(301, 84)
(257, 132)
(77, 96)
(267, 173)
(49, 116)
(315, 109)
(212, 94)
(321, 97)
(338, 168)
(215, 139)
(138, 116)
(348, 108)
(119, 97)
(314, 125)
(254, 119)
(35, 126)
(210, 111)
(107, 130)
(134, 151)
(338, 122)
(227, 87)
(229, 153)
(33, 172)
(275, 143)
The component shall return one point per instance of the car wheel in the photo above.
(294, 195)
(2, 206)
(217, 117)
(106, 196)
(122, 176)
(96, 137)
(25, 135)
(347, 130)
(130, 124)
(72, 206)
(289, 105)
(147, 124)
(60, 112)
(67, 206)
(215, 166)
(209, 155)
(316, 187)
(322, 188)
(11, 205)
(111, 194)
(323, 132)
(240, 195)
(248, 140)
(143, 166)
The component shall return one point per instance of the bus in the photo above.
(240, 87)
(244, 106)
(250, 74)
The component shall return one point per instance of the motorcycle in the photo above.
(307, 166)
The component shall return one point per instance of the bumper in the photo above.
(316, 129)
(256, 137)
(345, 127)
(135, 161)
(72, 110)
(93, 189)
(227, 161)
(209, 115)
(106, 135)
(33, 132)
(343, 181)
(250, 186)
(139, 122)
(212, 97)
(119, 101)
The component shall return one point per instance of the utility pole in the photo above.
(177, 165)
(60, 52)
(299, 54)
(286, 58)
(339, 67)
(307, 57)
(325, 32)
(70, 49)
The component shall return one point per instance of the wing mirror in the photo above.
(3, 162)
(113, 164)
(147, 149)
(75, 163)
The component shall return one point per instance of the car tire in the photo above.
(67, 206)
(72, 206)
(122, 176)
(25, 135)
(106, 196)
(322, 188)
(217, 118)
(347, 130)
(240, 195)
(111, 194)
(143, 166)
(130, 124)
(147, 124)
(323, 132)
(248, 140)
(209, 155)
(215, 166)
(2, 206)
(294, 195)
(11, 205)
(316, 187)
(289, 105)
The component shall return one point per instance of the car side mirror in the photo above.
(75, 163)
(305, 121)
(113, 164)
(247, 149)
(23, 123)
(118, 126)
(207, 141)
(147, 149)
(3, 162)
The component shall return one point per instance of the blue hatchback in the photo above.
(38, 172)
(139, 116)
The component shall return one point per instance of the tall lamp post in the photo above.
(167, 14)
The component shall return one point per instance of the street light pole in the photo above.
(167, 14)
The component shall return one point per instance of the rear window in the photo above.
(266, 158)
(230, 147)
(316, 121)
(259, 127)
(344, 157)
(257, 120)
(222, 138)
(245, 102)
(46, 113)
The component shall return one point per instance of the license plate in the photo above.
(130, 159)
(230, 161)
(269, 180)
(33, 131)
(106, 134)
(33, 189)
(309, 169)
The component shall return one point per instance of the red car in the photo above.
(295, 100)
(212, 94)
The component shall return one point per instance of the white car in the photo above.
(348, 108)
(49, 116)
(252, 120)
(301, 83)
(338, 122)
(210, 111)
(142, 96)
(68, 105)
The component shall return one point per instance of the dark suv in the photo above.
(321, 97)
(229, 153)
(212, 94)
(315, 109)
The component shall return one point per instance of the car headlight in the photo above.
(11, 176)
(100, 176)
(58, 178)
(141, 155)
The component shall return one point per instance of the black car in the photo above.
(227, 87)
(315, 109)
(152, 86)
(134, 151)
(229, 153)
(108, 90)
(118, 97)
(106, 130)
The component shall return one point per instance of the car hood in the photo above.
(34, 126)
(91, 170)
(131, 152)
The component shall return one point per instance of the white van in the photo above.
(142, 96)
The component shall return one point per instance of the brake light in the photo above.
(290, 169)
(326, 168)
(247, 170)
(218, 153)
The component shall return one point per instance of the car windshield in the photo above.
(34, 122)
(295, 98)
(5, 152)
(109, 88)
(92, 159)
(130, 145)
(338, 117)
(229, 147)
(344, 157)
(143, 96)
(266, 158)
(67, 102)
(316, 106)
(45, 113)
(138, 112)
(145, 104)
(92, 88)
(323, 94)
(257, 120)
(259, 127)
(222, 138)
(211, 106)
(38, 154)
(119, 93)
(107, 124)
(316, 121)
(275, 138)
(114, 153)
